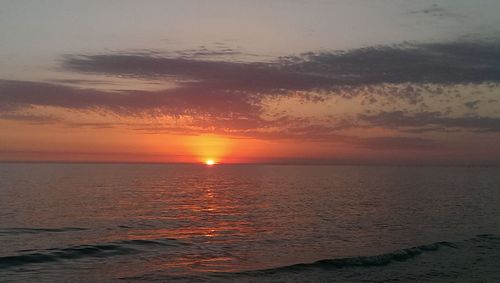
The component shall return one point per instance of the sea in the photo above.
(248, 223)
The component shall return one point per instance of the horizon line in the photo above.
(326, 163)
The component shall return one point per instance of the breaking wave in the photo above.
(84, 251)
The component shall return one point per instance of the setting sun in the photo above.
(210, 162)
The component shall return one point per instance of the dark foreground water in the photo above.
(142, 223)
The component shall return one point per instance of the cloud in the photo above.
(240, 118)
(472, 105)
(220, 75)
(436, 11)
(222, 89)
(220, 50)
(396, 143)
(226, 96)
(18, 94)
(29, 118)
(441, 63)
(431, 121)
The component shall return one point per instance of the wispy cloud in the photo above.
(437, 11)
(431, 121)
(172, 102)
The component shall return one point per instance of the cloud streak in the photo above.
(441, 63)
(431, 121)
(16, 94)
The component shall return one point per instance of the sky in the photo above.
(341, 82)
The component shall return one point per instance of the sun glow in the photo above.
(210, 162)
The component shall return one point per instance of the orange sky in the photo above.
(245, 82)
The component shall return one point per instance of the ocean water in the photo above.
(248, 223)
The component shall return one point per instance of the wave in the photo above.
(370, 261)
(83, 251)
(367, 261)
(17, 231)
(436, 262)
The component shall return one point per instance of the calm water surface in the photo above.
(88, 222)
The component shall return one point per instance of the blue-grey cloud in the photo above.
(222, 75)
(442, 63)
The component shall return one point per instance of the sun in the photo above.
(210, 162)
